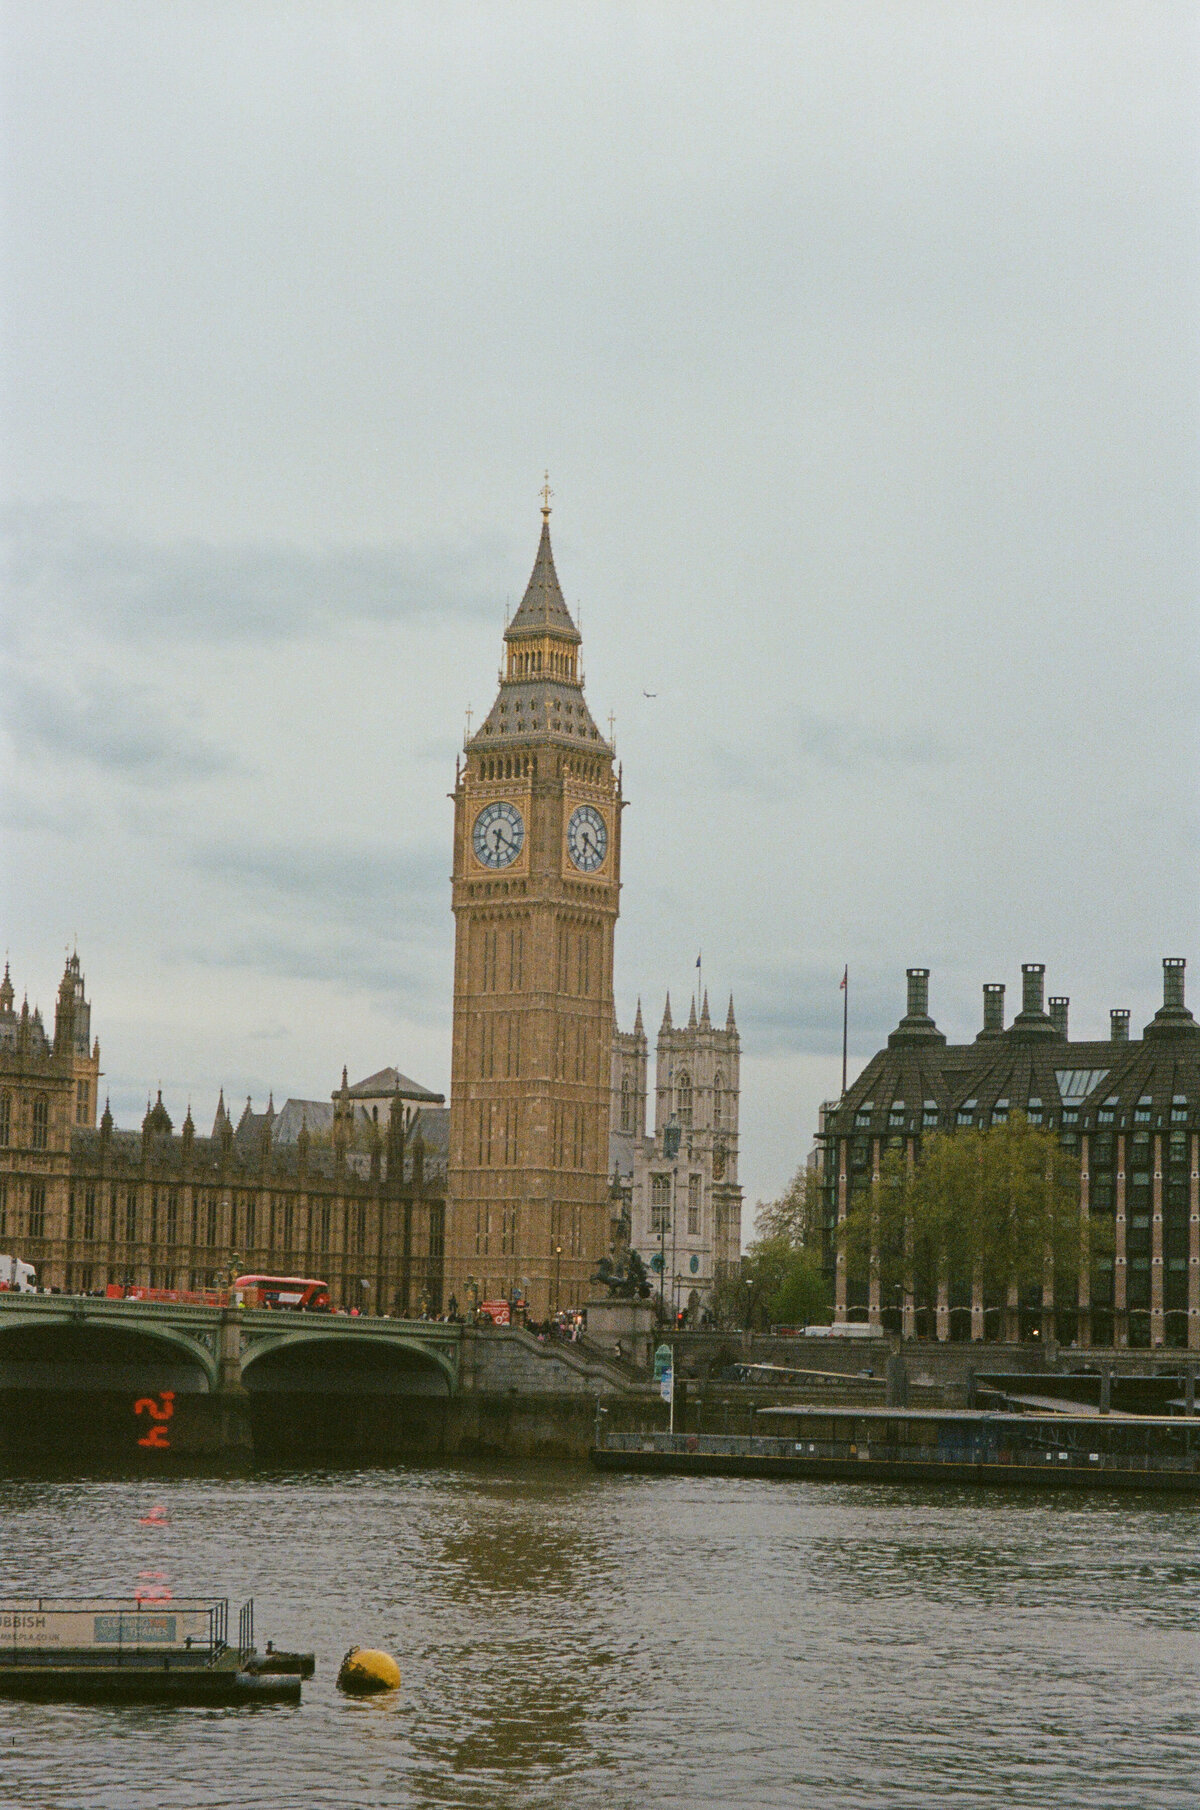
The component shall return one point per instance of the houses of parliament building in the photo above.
(402, 1204)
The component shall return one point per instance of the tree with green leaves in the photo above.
(797, 1214)
(986, 1215)
(779, 1280)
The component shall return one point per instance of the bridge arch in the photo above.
(54, 1350)
(264, 1362)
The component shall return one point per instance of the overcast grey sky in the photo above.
(860, 342)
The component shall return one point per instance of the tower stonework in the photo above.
(536, 886)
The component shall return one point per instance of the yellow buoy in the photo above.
(365, 1670)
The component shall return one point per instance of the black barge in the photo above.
(929, 1445)
(114, 1650)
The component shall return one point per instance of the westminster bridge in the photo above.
(88, 1375)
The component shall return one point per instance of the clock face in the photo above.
(498, 834)
(587, 838)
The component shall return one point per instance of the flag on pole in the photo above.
(844, 990)
(698, 959)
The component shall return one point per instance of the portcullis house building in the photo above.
(1129, 1107)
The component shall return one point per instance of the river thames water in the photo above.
(573, 1640)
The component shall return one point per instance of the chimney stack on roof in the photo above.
(1060, 1005)
(918, 992)
(1173, 970)
(1118, 1020)
(993, 1008)
(1033, 976)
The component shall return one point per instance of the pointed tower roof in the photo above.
(7, 995)
(639, 1029)
(157, 1121)
(666, 1017)
(221, 1117)
(541, 686)
(692, 1015)
(543, 608)
(730, 1021)
(705, 1020)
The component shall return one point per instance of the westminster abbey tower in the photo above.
(537, 844)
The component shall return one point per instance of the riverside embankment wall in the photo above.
(516, 1397)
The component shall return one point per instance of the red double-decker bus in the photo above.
(299, 1294)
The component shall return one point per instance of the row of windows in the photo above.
(1102, 1148)
(39, 1119)
(497, 1123)
(683, 1101)
(566, 1231)
(660, 1204)
(929, 1114)
(509, 766)
(499, 1035)
(578, 961)
(500, 967)
(497, 1220)
(118, 1219)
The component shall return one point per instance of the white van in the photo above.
(17, 1277)
(844, 1329)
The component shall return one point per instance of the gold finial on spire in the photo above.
(547, 493)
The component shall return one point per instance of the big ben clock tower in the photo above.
(537, 848)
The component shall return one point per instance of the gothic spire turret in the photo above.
(692, 1015)
(705, 1020)
(666, 1024)
(639, 1029)
(543, 609)
(730, 1021)
(7, 994)
(541, 686)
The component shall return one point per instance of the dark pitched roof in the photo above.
(541, 709)
(542, 610)
(391, 1081)
(433, 1124)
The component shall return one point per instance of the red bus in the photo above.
(301, 1294)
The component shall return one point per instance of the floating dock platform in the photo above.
(114, 1650)
(928, 1445)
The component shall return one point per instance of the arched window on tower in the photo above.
(626, 1104)
(683, 1098)
(718, 1101)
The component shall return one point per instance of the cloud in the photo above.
(793, 1010)
(58, 565)
(806, 738)
(386, 890)
(114, 726)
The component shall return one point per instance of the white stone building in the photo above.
(678, 1185)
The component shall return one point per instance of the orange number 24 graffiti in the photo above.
(157, 1436)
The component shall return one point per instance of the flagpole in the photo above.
(845, 1025)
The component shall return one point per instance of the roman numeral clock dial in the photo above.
(499, 834)
(587, 838)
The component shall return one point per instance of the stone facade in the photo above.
(536, 878)
(47, 1096)
(323, 1188)
(678, 1185)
